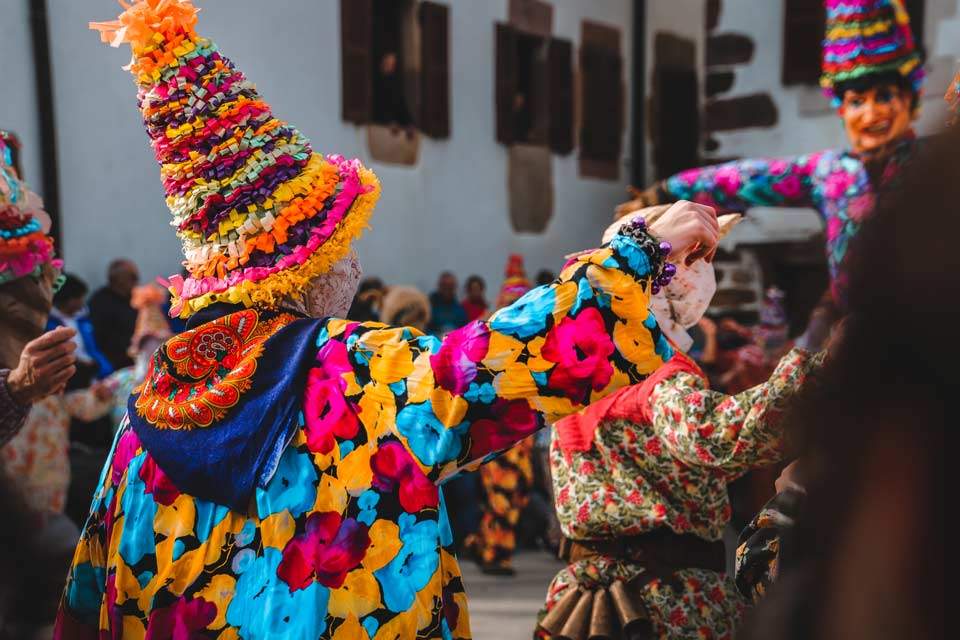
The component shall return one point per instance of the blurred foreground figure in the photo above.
(277, 473)
(866, 558)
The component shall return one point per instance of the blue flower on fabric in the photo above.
(446, 532)
(139, 510)
(85, 591)
(264, 607)
(209, 515)
(414, 565)
(483, 393)
(637, 260)
(371, 625)
(293, 486)
(431, 441)
(367, 502)
(584, 293)
(527, 316)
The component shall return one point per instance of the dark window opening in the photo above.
(526, 103)
(390, 103)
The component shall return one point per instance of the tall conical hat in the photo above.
(867, 37)
(515, 282)
(259, 214)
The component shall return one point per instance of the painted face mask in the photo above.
(876, 117)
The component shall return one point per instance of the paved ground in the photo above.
(506, 608)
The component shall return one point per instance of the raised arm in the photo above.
(735, 433)
(490, 384)
(736, 186)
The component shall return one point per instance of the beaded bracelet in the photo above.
(663, 271)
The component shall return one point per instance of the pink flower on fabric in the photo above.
(837, 184)
(790, 187)
(728, 179)
(834, 228)
(183, 620)
(326, 551)
(581, 348)
(157, 483)
(778, 167)
(327, 413)
(509, 422)
(455, 364)
(124, 453)
(860, 207)
(393, 468)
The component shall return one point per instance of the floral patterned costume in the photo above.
(840, 185)
(344, 535)
(657, 457)
(37, 459)
(506, 480)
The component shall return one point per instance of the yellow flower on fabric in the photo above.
(516, 382)
(176, 520)
(552, 408)
(133, 628)
(355, 471)
(404, 625)
(378, 411)
(360, 594)
(128, 587)
(390, 357)
(566, 296)
(636, 345)
(421, 382)
(504, 350)
(230, 633)
(448, 408)
(536, 362)
(384, 545)
(220, 592)
(277, 530)
(625, 297)
(331, 495)
(350, 629)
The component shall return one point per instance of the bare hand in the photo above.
(708, 326)
(46, 364)
(692, 229)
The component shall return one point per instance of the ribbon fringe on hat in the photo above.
(258, 213)
(866, 37)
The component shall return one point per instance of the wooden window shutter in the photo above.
(506, 80)
(803, 30)
(560, 74)
(435, 79)
(356, 35)
(602, 99)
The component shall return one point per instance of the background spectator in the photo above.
(446, 312)
(111, 314)
(69, 310)
(406, 307)
(475, 301)
(367, 301)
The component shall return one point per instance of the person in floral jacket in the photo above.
(277, 473)
(872, 74)
(640, 481)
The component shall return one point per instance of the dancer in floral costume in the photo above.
(872, 73)
(507, 479)
(276, 476)
(641, 491)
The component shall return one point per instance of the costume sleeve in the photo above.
(760, 544)
(84, 405)
(491, 384)
(735, 433)
(12, 414)
(87, 579)
(739, 185)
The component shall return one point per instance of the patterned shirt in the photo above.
(349, 539)
(835, 183)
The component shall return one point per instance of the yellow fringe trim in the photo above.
(291, 282)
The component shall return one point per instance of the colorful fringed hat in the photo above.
(868, 37)
(515, 283)
(259, 214)
(25, 248)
